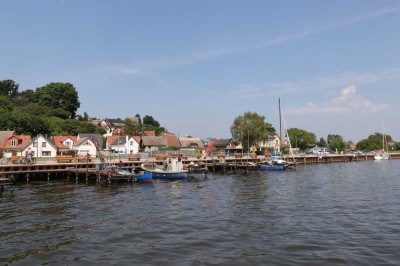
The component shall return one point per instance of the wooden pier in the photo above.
(90, 170)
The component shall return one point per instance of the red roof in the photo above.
(15, 142)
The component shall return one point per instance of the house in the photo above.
(110, 125)
(171, 140)
(6, 134)
(221, 145)
(152, 143)
(82, 145)
(273, 144)
(85, 146)
(190, 142)
(97, 137)
(64, 143)
(41, 147)
(13, 145)
(123, 144)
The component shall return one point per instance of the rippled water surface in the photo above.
(345, 213)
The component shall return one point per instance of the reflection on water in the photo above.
(344, 213)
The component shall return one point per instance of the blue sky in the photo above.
(197, 65)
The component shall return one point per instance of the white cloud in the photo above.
(347, 101)
(125, 70)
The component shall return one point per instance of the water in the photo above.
(344, 213)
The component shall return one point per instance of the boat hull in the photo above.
(144, 177)
(170, 175)
(272, 167)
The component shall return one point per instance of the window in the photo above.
(13, 143)
(46, 153)
(131, 143)
(67, 143)
(43, 144)
(34, 144)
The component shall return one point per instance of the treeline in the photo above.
(250, 129)
(51, 110)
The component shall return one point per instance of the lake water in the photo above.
(328, 214)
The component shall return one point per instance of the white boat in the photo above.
(172, 168)
(382, 154)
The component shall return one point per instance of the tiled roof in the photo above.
(149, 133)
(5, 134)
(191, 142)
(153, 141)
(171, 140)
(21, 141)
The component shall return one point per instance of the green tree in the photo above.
(322, 143)
(336, 143)
(250, 128)
(9, 88)
(6, 103)
(140, 119)
(24, 98)
(27, 123)
(299, 138)
(59, 95)
(373, 142)
(149, 120)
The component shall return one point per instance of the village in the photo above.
(118, 145)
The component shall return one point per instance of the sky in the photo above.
(194, 66)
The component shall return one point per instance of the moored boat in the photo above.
(172, 168)
(144, 176)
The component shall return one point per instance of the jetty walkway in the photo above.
(47, 170)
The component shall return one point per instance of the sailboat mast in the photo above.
(280, 125)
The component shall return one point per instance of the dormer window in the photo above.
(13, 143)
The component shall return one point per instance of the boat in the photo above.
(275, 162)
(382, 154)
(172, 168)
(143, 176)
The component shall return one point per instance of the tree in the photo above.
(139, 119)
(250, 128)
(322, 143)
(373, 142)
(149, 120)
(301, 139)
(5, 103)
(59, 95)
(24, 98)
(336, 142)
(9, 88)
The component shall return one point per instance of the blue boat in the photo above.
(274, 163)
(172, 168)
(144, 176)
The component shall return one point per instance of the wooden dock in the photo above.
(89, 170)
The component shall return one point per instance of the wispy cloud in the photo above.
(202, 55)
(319, 84)
(125, 70)
(347, 101)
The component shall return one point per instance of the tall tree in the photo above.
(139, 119)
(59, 95)
(149, 120)
(322, 143)
(9, 88)
(301, 139)
(373, 142)
(250, 128)
(336, 142)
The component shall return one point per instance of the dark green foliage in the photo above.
(9, 88)
(59, 96)
(250, 128)
(336, 143)
(149, 120)
(299, 138)
(373, 142)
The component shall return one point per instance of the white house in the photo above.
(41, 147)
(85, 146)
(123, 144)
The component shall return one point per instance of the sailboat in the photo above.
(382, 154)
(276, 162)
